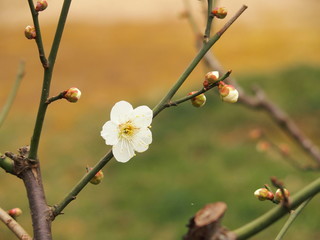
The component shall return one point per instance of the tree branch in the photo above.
(260, 101)
(209, 22)
(35, 17)
(57, 209)
(293, 215)
(31, 175)
(14, 226)
(13, 93)
(205, 48)
(276, 213)
(47, 81)
(40, 211)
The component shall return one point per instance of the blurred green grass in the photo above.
(198, 156)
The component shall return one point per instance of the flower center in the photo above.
(127, 129)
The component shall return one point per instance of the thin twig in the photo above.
(55, 98)
(14, 226)
(203, 90)
(210, 17)
(286, 155)
(58, 208)
(35, 18)
(47, 81)
(13, 93)
(276, 213)
(205, 48)
(293, 215)
(259, 101)
(41, 213)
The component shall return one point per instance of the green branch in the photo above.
(13, 93)
(293, 215)
(205, 48)
(57, 209)
(47, 81)
(203, 90)
(59, 31)
(276, 213)
(35, 18)
(209, 22)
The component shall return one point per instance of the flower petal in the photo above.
(110, 133)
(232, 97)
(141, 140)
(120, 112)
(141, 116)
(123, 151)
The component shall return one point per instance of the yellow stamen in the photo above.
(127, 129)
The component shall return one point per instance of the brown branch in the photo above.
(206, 224)
(14, 226)
(260, 102)
(40, 212)
(29, 171)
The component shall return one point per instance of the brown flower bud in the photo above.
(72, 94)
(30, 32)
(41, 5)
(15, 212)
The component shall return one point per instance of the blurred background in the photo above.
(134, 51)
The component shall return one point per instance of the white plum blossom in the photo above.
(128, 130)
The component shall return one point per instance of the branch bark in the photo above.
(14, 226)
(40, 211)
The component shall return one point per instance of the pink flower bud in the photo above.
(278, 197)
(30, 32)
(263, 146)
(41, 5)
(206, 84)
(255, 133)
(15, 212)
(72, 94)
(199, 100)
(212, 76)
(228, 93)
(284, 149)
(263, 194)
(220, 12)
(97, 178)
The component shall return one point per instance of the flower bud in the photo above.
(30, 32)
(228, 93)
(212, 76)
(263, 146)
(97, 178)
(72, 94)
(278, 197)
(255, 133)
(199, 100)
(220, 12)
(15, 212)
(41, 5)
(284, 149)
(263, 194)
